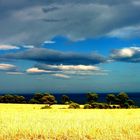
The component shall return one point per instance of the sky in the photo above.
(75, 46)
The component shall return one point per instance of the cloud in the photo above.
(126, 32)
(5, 47)
(8, 47)
(36, 71)
(61, 76)
(49, 42)
(55, 57)
(36, 21)
(68, 67)
(66, 71)
(77, 67)
(27, 46)
(130, 54)
(7, 67)
(14, 73)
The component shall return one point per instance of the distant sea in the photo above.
(81, 97)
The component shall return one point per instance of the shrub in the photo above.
(99, 105)
(87, 106)
(126, 105)
(114, 107)
(106, 106)
(74, 106)
(131, 102)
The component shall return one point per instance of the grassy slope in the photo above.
(29, 122)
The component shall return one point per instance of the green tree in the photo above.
(48, 99)
(131, 102)
(65, 99)
(111, 98)
(92, 97)
(19, 99)
(34, 101)
(74, 106)
(38, 97)
(122, 98)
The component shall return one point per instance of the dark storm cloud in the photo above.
(22, 21)
(49, 56)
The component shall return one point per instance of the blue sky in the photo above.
(69, 47)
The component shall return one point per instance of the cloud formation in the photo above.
(61, 75)
(131, 54)
(14, 73)
(5, 47)
(8, 47)
(55, 57)
(7, 67)
(68, 67)
(66, 71)
(48, 42)
(35, 70)
(33, 22)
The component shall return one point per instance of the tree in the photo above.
(87, 106)
(74, 106)
(65, 99)
(92, 97)
(37, 97)
(110, 98)
(126, 105)
(48, 99)
(1, 99)
(131, 102)
(10, 98)
(122, 98)
(19, 99)
(33, 101)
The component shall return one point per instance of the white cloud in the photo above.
(49, 42)
(130, 54)
(14, 73)
(74, 67)
(28, 46)
(61, 75)
(5, 47)
(126, 52)
(36, 71)
(66, 70)
(8, 47)
(7, 67)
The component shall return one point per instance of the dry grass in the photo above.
(29, 122)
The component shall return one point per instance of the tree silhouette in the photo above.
(111, 98)
(92, 97)
(65, 99)
(48, 99)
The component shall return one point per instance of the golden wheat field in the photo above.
(29, 122)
